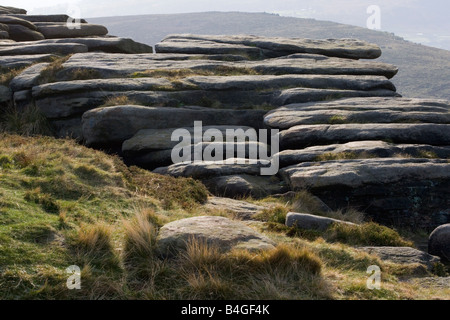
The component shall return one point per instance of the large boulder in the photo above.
(311, 222)
(221, 232)
(345, 48)
(403, 255)
(439, 242)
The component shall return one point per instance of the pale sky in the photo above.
(400, 16)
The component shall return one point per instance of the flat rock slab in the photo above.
(302, 95)
(20, 61)
(6, 19)
(160, 139)
(161, 158)
(107, 44)
(357, 110)
(29, 49)
(238, 186)
(421, 133)
(209, 169)
(241, 209)
(117, 124)
(439, 242)
(120, 65)
(403, 255)
(361, 150)
(61, 30)
(359, 173)
(18, 32)
(346, 48)
(223, 233)
(28, 78)
(62, 18)
(312, 222)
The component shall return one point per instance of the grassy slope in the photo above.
(62, 204)
(424, 71)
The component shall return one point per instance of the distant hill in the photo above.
(424, 71)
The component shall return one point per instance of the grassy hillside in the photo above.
(424, 71)
(62, 204)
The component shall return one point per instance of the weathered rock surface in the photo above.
(33, 48)
(361, 149)
(208, 169)
(160, 139)
(7, 19)
(61, 30)
(117, 124)
(162, 158)
(311, 222)
(439, 242)
(357, 173)
(18, 32)
(346, 48)
(107, 44)
(28, 78)
(306, 135)
(241, 209)
(403, 255)
(116, 65)
(359, 110)
(236, 186)
(221, 232)
(233, 92)
(21, 61)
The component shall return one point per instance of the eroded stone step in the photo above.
(363, 172)
(357, 110)
(308, 135)
(361, 149)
